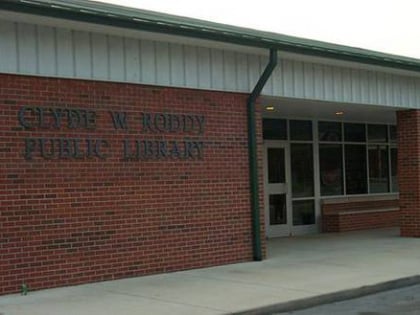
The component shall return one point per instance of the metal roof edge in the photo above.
(130, 18)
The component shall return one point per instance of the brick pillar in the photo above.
(408, 124)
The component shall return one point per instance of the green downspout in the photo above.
(252, 151)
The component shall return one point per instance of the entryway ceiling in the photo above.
(304, 109)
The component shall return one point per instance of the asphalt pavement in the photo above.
(404, 301)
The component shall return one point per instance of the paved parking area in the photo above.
(404, 301)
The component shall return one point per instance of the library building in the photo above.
(135, 143)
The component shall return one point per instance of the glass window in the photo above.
(394, 161)
(354, 132)
(377, 133)
(278, 214)
(356, 177)
(276, 166)
(393, 133)
(331, 169)
(303, 212)
(301, 130)
(302, 170)
(275, 129)
(378, 169)
(329, 131)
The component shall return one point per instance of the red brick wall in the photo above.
(408, 124)
(65, 221)
(260, 163)
(360, 221)
(352, 215)
(349, 205)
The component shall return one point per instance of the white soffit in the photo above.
(304, 109)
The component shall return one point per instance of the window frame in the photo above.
(390, 143)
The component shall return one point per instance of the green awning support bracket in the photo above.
(253, 156)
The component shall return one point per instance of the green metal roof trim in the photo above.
(112, 15)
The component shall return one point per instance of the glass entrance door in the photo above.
(277, 192)
(289, 189)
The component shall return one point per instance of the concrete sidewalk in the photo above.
(299, 271)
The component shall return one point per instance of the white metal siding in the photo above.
(298, 79)
(65, 54)
(58, 52)
(8, 47)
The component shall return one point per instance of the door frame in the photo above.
(287, 229)
(280, 230)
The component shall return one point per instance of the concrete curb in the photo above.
(332, 297)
